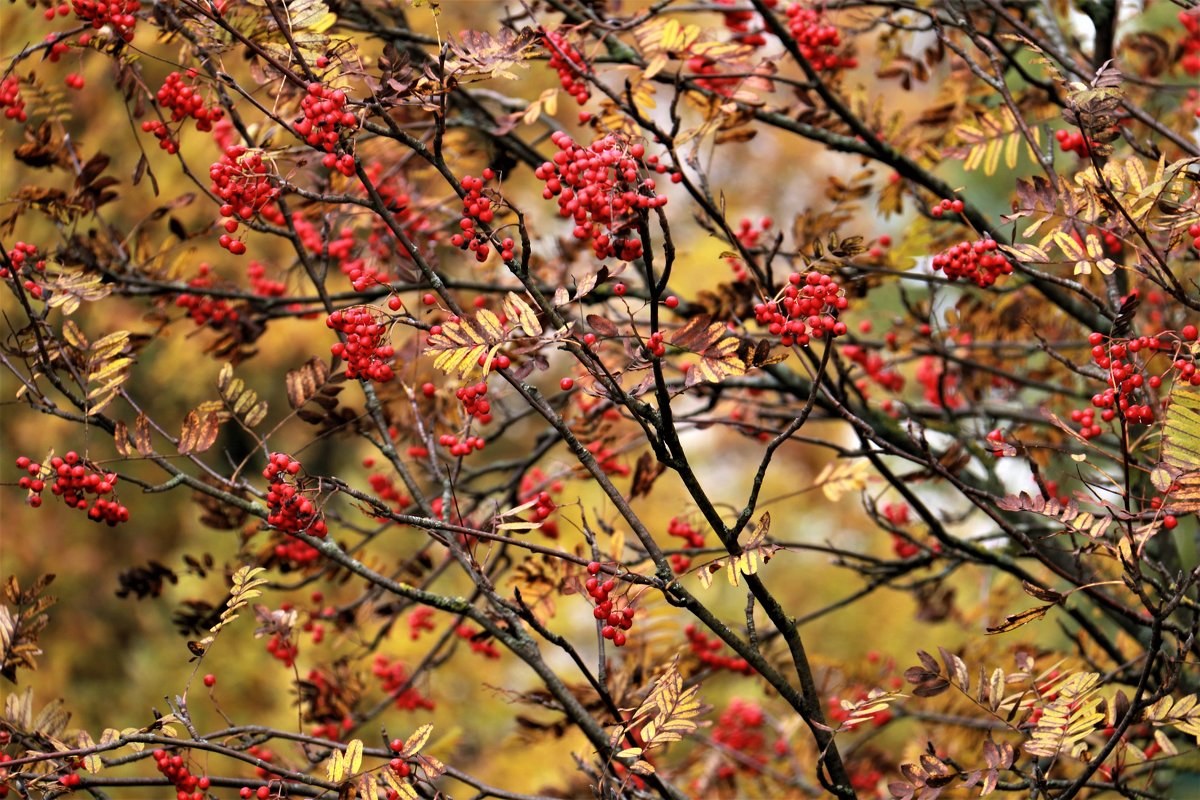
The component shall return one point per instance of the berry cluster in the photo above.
(601, 189)
(461, 447)
(393, 679)
(385, 489)
(10, 99)
(946, 205)
(74, 480)
(748, 235)
(818, 43)
(1074, 142)
(616, 621)
(324, 123)
(897, 515)
(187, 786)
(709, 652)
(1127, 381)
(941, 384)
(58, 41)
(692, 538)
(283, 649)
(293, 554)
(61, 10)
(566, 60)
(979, 262)
(184, 101)
(1194, 232)
(203, 309)
(421, 619)
(117, 14)
(74, 81)
(477, 208)
(1189, 46)
(740, 730)
(242, 182)
(24, 257)
(543, 501)
(876, 368)
(742, 24)
(606, 458)
(365, 352)
(807, 308)
(289, 510)
(477, 642)
(260, 284)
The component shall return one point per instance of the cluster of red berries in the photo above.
(1194, 232)
(807, 308)
(260, 284)
(567, 61)
(1189, 46)
(946, 205)
(740, 729)
(656, 344)
(74, 480)
(477, 208)
(875, 367)
(242, 182)
(187, 785)
(478, 644)
(184, 100)
(606, 458)
(364, 350)
(262, 754)
(1073, 142)
(543, 500)
(24, 257)
(293, 554)
(73, 81)
(748, 235)
(61, 10)
(941, 384)
(601, 189)
(398, 765)
(616, 621)
(742, 24)
(203, 309)
(283, 649)
(818, 43)
(289, 509)
(10, 99)
(392, 678)
(897, 515)
(385, 489)
(407, 214)
(709, 652)
(692, 538)
(420, 619)
(461, 447)
(324, 124)
(979, 262)
(4, 757)
(1126, 378)
(117, 14)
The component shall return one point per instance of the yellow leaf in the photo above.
(354, 752)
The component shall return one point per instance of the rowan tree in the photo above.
(583, 399)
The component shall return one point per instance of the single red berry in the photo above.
(210, 680)
(671, 302)
(566, 384)
(429, 298)
(1169, 522)
(1189, 332)
(619, 290)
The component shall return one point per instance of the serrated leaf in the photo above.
(515, 308)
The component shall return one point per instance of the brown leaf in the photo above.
(646, 471)
(141, 435)
(1014, 621)
(601, 325)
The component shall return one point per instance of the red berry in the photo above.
(210, 680)
(566, 384)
